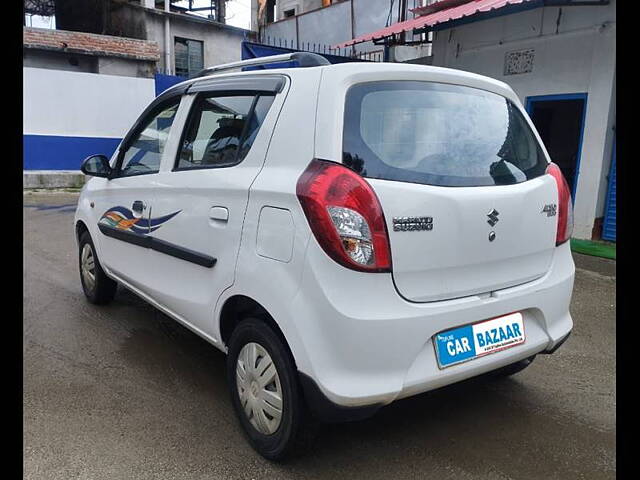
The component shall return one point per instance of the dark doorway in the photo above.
(271, 11)
(559, 120)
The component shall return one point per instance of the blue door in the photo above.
(609, 225)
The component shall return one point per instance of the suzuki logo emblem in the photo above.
(493, 217)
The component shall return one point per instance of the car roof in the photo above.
(426, 72)
(385, 69)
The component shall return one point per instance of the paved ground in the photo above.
(124, 392)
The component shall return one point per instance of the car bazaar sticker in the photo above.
(473, 341)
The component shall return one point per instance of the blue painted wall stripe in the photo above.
(51, 152)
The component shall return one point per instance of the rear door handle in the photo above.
(219, 213)
(138, 208)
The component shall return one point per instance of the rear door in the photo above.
(461, 180)
(205, 188)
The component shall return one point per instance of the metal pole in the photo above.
(353, 28)
(402, 18)
(167, 39)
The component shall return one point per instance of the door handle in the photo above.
(219, 213)
(138, 208)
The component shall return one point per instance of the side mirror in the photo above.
(96, 166)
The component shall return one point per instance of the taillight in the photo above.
(565, 207)
(345, 216)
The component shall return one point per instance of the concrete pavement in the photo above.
(123, 392)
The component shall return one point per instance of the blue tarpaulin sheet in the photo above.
(257, 50)
(162, 82)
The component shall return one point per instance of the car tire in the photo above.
(254, 347)
(98, 288)
(514, 367)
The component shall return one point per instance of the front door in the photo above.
(559, 120)
(205, 190)
(122, 204)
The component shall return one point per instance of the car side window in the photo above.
(221, 130)
(260, 110)
(143, 152)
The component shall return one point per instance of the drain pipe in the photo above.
(167, 39)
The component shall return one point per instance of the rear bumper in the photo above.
(557, 345)
(325, 410)
(362, 345)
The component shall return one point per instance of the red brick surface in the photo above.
(90, 43)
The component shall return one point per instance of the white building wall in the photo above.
(574, 53)
(333, 24)
(78, 104)
(221, 44)
(68, 116)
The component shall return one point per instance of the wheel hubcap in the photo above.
(88, 267)
(259, 388)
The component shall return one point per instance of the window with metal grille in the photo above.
(189, 56)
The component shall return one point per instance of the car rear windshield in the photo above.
(438, 134)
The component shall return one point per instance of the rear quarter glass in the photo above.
(438, 134)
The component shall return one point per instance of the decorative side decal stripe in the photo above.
(158, 245)
(122, 218)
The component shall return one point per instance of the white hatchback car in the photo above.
(348, 234)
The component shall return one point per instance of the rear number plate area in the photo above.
(479, 339)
